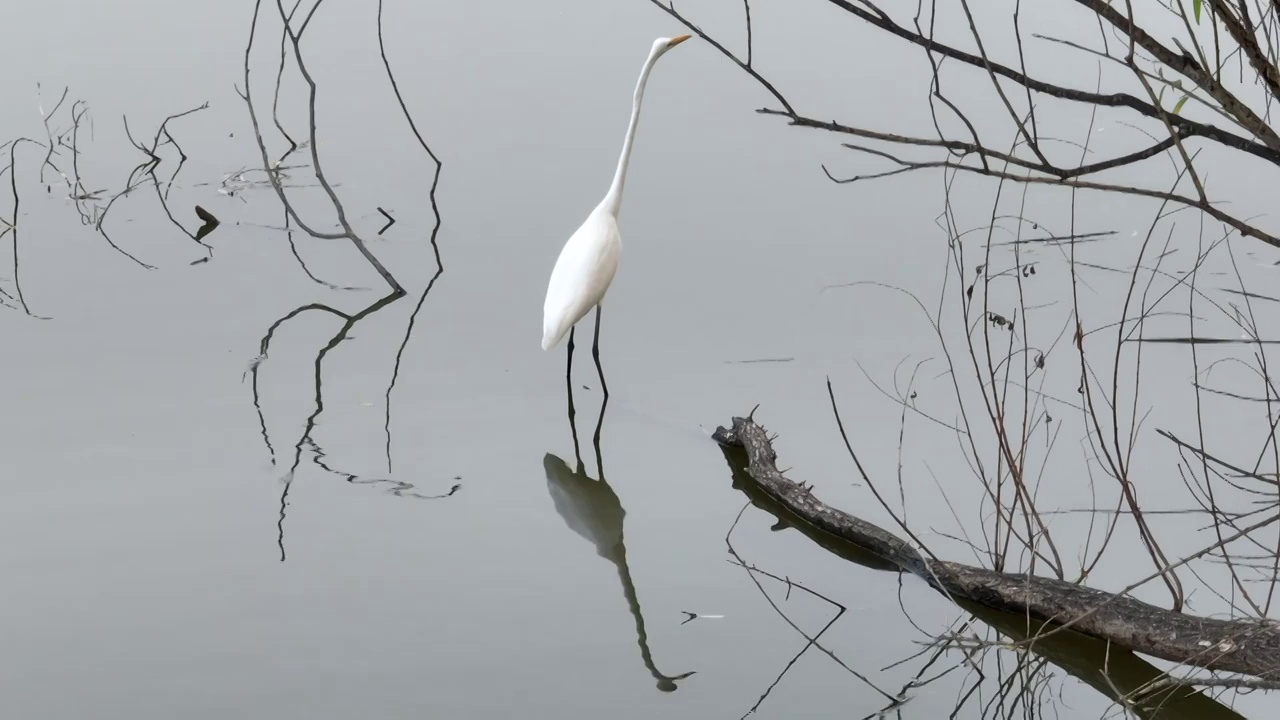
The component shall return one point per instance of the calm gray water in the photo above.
(162, 560)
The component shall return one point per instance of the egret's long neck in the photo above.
(613, 200)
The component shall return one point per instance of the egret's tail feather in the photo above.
(556, 324)
(550, 338)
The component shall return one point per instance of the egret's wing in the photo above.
(581, 276)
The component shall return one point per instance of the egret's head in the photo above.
(661, 45)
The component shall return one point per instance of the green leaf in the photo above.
(1195, 6)
(1178, 108)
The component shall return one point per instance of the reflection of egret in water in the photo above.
(592, 510)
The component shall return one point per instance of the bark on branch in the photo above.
(1245, 646)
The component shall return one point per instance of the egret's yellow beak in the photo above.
(677, 40)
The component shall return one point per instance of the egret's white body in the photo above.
(582, 275)
(589, 260)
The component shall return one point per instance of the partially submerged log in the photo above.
(1114, 671)
(1245, 646)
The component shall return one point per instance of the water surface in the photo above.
(184, 538)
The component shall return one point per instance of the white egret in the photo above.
(589, 259)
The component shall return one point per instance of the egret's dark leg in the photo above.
(568, 373)
(568, 383)
(595, 354)
(595, 439)
(573, 429)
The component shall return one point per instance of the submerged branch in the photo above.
(1247, 646)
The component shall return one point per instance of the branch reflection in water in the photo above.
(306, 443)
(591, 508)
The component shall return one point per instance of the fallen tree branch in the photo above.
(1247, 646)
